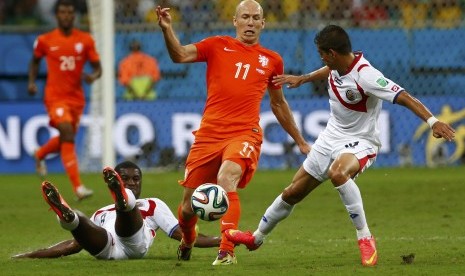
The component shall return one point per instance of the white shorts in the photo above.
(323, 154)
(134, 247)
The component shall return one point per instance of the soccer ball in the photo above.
(209, 202)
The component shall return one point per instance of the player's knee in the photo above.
(292, 196)
(337, 176)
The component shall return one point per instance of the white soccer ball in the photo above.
(209, 202)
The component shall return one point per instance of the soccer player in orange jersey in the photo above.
(227, 144)
(66, 50)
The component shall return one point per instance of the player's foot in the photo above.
(116, 186)
(225, 257)
(368, 251)
(56, 202)
(239, 237)
(184, 251)
(41, 167)
(83, 192)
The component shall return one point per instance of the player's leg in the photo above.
(202, 166)
(341, 172)
(91, 237)
(301, 185)
(303, 182)
(187, 222)
(128, 217)
(229, 176)
(51, 146)
(66, 119)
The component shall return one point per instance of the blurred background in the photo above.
(419, 44)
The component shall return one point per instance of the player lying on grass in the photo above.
(350, 142)
(123, 230)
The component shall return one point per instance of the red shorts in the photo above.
(205, 159)
(62, 112)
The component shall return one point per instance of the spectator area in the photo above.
(426, 61)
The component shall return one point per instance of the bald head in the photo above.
(250, 5)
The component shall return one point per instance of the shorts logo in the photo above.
(382, 82)
(395, 88)
(352, 145)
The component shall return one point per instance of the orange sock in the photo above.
(187, 227)
(52, 146)
(70, 162)
(230, 220)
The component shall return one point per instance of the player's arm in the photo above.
(60, 249)
(440, 129)
(201, 241)
(32, 75)
(96, 72)
(178, 53)
(282, 111)
(295, 81)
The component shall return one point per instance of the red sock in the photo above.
(52, 146)
(187, 227)
(70, 162)
(230, 220)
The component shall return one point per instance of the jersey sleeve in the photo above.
(39, 47)
(278, 70)
(92, 54)
(375, 84)
(164, 218)
(202, 48)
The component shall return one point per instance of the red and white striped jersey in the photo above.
(156, 215)
(355, 100)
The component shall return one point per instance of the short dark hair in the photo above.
(333, 37)
(127, 165)
(64, 3)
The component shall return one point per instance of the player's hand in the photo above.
(305, 148)
(291, 80)
(164, 17)
(32, 88)
(88, 78)
(443, 130)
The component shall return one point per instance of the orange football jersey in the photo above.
(238, 76)
(66, 57)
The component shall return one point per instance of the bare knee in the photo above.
(337, 176)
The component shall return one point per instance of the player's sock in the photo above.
(131, 200)
(230, 220)
(187, 227)
(277, 211)
(352, 199)
(70, 162)
(70, 226)
(52, 146)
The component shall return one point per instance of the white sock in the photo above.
(70, 226)
(131, 201)
(275, 213)
(352, 199)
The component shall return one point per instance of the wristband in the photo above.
(431, 121)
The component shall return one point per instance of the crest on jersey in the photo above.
(78, 47)
(353, 96)
(263, 60)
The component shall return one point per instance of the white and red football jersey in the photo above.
(156, 215)
(355, 100)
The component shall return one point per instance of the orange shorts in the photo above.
(62, 112)
(205, 159)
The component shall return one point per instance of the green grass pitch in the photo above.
(411, 210)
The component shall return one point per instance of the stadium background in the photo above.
(419, 44)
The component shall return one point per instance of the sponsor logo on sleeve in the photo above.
(382, 82)
(395, 88)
